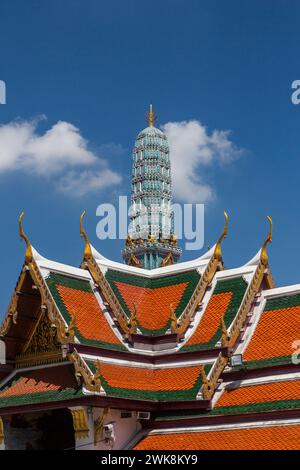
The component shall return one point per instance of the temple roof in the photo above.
(79, 300)
(272, 393)
(159, 337)
(279, 436)
(270, 337)
(144, 382)
(39, 385)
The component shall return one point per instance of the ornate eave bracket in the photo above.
(209, 385)
(99, 424)
(92, 382)
(80, 425)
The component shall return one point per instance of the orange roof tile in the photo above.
(90, 319)
(40, 380)
(260, 393)
(263, 438)
(137, 378)
(211, 319)
(152, 305)
(274, 334)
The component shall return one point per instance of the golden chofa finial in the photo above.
(269, 239)
(87, 249)
(151, 116)
(28, 254)
(218, 252)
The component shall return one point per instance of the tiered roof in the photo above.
(161, 341)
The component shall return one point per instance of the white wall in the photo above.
(124, 430)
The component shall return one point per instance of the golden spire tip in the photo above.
(218, 253)
(83, 234)
(269, 239)
(28, 254)
(151, 116)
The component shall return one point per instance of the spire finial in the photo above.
(87, 248)
(269, 239)
(28, 254)
(218, 253)
(151, 116)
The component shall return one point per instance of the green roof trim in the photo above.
(190, 277)
(272, 361)
(179, 414)
(238, 287)
(38, 397)
(282, 302)
(253, 407)
(53, 280)
(225, 410)
(67, 281)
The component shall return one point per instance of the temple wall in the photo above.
(123, 429)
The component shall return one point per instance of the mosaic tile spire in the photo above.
(151, 242)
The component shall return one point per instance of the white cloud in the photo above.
(79, 184)
(21, 148)
(193, 148)
(60, 151)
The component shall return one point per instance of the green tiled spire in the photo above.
(151, 233)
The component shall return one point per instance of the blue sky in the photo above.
(96, 66)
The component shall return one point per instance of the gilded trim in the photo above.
(92, 381)
(269, 239)
(134, 261)
(218, 252)
(98, 425)
(80, 425)
(28, 253)
(133, 321)
(210, 385)
(35, 359)
(12, 313)
(1, 431)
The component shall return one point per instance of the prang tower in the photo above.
(151, 242)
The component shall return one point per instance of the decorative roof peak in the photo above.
(87, 248)
(217, 250)
(23, 236)
(269, 239)
(151, 116)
